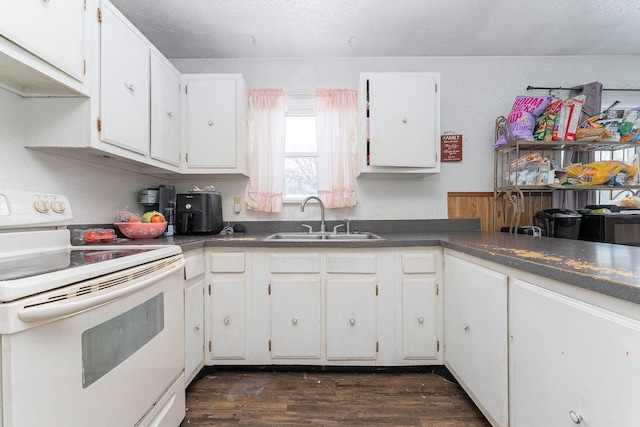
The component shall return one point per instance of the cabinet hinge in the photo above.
(269, 345)
(209, 346)
(376, 290)
(436, 87)
(437, 289)
(99, 124)
(85, 4)
(269, 289)
(186, 157)
(84, 67)
(377, 346)
(438, 345)
(209, 289)
(436, 157)
(186, 89)
(99, 15)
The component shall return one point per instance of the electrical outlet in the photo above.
(237, 201)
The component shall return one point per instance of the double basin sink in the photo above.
(315, 237)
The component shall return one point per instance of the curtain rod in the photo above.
(573, 88)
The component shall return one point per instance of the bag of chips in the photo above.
(522, 118)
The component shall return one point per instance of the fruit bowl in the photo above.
(141, 230)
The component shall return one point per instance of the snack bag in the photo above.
(522, 118)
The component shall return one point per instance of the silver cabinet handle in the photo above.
(197, 328)
(170, 114)
(420, 319)
(352, 321)
(210, 123)
(575, 417)
(405, 120)
(465, 326)
(132, 88)
(226, 321)
(294, 321)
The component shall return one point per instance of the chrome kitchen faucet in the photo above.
(323, 227)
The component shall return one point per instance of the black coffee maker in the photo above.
(198, 213)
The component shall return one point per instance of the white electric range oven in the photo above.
(89, 335)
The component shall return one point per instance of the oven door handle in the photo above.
(46, 312)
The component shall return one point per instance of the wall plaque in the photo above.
(451, 147)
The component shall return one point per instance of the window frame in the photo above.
(299, 104)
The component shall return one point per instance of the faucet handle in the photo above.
(335, 229)
(346, 221)
(309, 227)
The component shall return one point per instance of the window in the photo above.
(300, 148)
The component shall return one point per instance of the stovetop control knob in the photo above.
(58, 206)
(41, 206)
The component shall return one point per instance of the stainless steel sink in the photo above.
(293, 236)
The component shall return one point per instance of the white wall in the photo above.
(475, 90)
(95, 192)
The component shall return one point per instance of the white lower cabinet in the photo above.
(418, 313)
(475, 334)
(351, 309)
(228, 306)
(296, 329)
(319, 307)
(193, 314)
(571, 362)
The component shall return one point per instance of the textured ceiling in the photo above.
(362, 28)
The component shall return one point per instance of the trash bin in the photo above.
(563, 223)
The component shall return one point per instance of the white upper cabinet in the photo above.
(399, 123)
(124, 83)
(43, 47)
(214, 123)
(114, 125)
(165, 111)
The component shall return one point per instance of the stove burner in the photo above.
(19, 267)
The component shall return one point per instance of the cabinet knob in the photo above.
(226, 321)
(197, 328)
(210, 123)
(352, 321)
(575, 417)
(465, 326)
(294, 321)
(405, 120)
(170, 114)
(420, 319)
(132, 88)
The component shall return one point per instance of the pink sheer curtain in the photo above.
(336, 123)
(266, 124)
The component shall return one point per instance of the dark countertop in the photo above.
(605, 268)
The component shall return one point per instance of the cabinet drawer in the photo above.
(194, 266)
(420, 262)
(227, 262)
(351, 263)
(295, 263)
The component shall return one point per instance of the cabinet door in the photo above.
(124, 84)
(351, 318)
(211, 131)
(570, 359)
(51, 30)
(475, 334)
(296, 317)
(228, 317)
(165, 111)
(403, 115)
(419, 318)
(194, 329)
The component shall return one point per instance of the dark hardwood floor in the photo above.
(320, 398)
